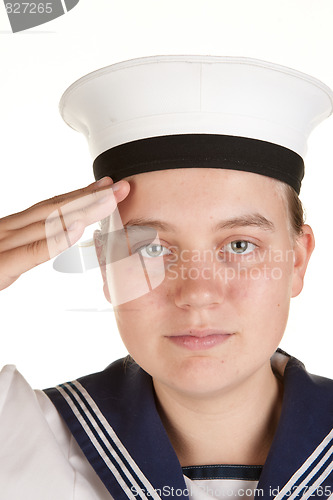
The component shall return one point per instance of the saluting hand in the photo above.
(46, 229)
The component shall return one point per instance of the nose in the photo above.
(198, 287)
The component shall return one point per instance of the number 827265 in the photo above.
(29, 8)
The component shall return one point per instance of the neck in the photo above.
(233, 427)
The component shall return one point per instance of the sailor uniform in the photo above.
(113, 417)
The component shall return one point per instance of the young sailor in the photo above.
(200, 260)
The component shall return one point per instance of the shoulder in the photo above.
(39, 457)
(287, 366)
(16, 394)
(29, 449)
(296, 370)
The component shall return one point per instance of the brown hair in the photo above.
(295, 209)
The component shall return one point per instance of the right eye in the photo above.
(152, 250)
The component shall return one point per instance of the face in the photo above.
(231, 267)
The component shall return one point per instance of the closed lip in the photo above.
(199, 340)
(192, 332)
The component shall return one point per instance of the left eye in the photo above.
(239, 247)
(152, 250)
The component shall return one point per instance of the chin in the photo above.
(200, 375)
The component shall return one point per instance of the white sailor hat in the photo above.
(163, 112)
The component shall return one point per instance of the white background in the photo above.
(56, 327)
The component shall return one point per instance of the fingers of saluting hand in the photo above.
(40, 211)
(75, 215)
(15, 261)
(50, 227)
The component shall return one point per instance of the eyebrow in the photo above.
(253, 220)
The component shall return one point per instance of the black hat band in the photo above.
(201, 151)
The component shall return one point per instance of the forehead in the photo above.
(202, 195)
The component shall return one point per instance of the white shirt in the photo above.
(40, 459)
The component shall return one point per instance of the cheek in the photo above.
(263, 292)
(133, 277)
(137, 319)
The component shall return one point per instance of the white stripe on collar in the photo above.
(308, 464)
(114, 445)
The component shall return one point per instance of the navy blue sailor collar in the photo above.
(300, 460)
(113, 416)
